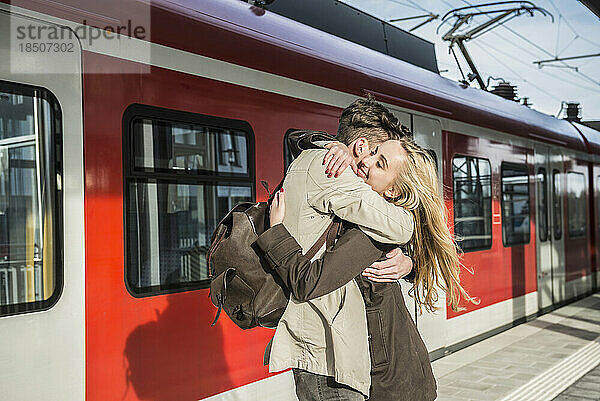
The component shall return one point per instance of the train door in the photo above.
(556, 178)
(42, 283)
(432, 326)
(543, 238)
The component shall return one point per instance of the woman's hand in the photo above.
(277, 208)
(337, 159)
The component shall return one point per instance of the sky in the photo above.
(508, 51)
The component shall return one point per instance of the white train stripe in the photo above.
(275, 388)
(479, 321)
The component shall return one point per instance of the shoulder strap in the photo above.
(334, 232)
(328, 236)
(272, 194)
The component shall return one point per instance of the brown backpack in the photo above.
(242, 283)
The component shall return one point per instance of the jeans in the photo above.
(314, 387)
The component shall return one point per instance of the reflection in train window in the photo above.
(174, 146)
(30, 268)
(557, 204)
(542, 204)
(187, 172)
(576, 204)
(515, 204)
(598, 202)
(472, 202)
(169, 229)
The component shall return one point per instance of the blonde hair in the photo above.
(435, 255)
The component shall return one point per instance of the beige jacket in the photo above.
(328, 335)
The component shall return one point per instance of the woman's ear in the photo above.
(391, 193)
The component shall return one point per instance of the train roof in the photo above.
(591, 137)
(234, 31)
(286, 47)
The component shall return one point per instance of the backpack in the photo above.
(242, 283)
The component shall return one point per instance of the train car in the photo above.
(118, 159)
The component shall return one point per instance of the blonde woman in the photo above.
(400, 367)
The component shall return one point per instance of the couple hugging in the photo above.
(347, 334)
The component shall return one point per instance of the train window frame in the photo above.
(490, 219)
(515, 166)
(598, 203)
(557, 205)
(288, 158)
(584, 232)
(544, 190)
(204, 179)
(55, 165)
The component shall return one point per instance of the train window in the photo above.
(515, 204)
(576, 204)
(542, 205)
(30, 262)
(557, 204)
(472, 202)
(187, 172)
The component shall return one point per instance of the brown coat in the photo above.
(400, 366)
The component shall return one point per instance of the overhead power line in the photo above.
(430, 17)
(541, 62)
(576, 71)
(498, 12)
(556, 77)
(519, 75)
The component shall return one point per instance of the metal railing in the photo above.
(20, 282)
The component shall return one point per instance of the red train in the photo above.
(117, 158)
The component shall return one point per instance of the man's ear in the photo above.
(360, 148)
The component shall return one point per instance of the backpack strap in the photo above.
(328, 236)
(334, 232)
(272, 194)
(218, 290)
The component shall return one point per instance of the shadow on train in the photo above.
(165, 358)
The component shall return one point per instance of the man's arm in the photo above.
(349, 198)
(308, 280)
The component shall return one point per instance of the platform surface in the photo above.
(553, 357)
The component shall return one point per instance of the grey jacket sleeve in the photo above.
(306, 279)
